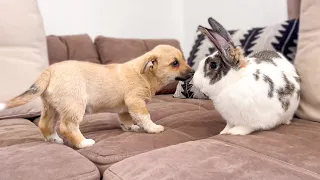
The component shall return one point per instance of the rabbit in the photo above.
(257, 92)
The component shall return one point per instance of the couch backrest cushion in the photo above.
(120, 50)
(71, 47)
(308, 60)
(23, 53)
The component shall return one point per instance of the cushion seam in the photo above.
(183, 133)
(93, 171)
(114, 173)
(117, 157)
(272, 159)
(18, 115)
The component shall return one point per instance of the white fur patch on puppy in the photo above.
(148, 125)
(2, 106)
(86, 143)
(54, 138)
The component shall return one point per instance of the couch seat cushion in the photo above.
(287, 152)
(41, 160)
(182, 121)
(17, 131)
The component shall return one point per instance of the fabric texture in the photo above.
(71, 47)
(293, 8)
(24, 154)
(18, 131)
(23, 53)
(281, 37)
(121, 50)
(308, 60)
(41, 160)
(287, 152)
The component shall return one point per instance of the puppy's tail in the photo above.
(34, 91)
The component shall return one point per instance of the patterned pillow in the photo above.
(281, 37)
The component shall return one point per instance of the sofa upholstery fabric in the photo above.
(23, 53)
(308, 60)
(45, 161)
(24, 154)
(71, 47)
(18, 131)
(288, 152)
(293, 8)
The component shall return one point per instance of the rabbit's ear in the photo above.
(219, 29)
(221, 40)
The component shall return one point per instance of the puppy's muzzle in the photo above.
(187, 75)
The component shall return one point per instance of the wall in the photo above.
(117, 18)
(155, 18)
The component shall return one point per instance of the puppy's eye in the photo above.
(213, 65)
(175, 63)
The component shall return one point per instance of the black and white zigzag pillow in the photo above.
(281, 37)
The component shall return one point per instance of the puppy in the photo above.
(71, 89)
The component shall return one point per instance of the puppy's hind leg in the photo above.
(126, 122)
(69, 126)
(48, 122)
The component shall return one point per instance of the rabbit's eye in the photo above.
(213, 65)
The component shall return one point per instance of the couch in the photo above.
(189, 148)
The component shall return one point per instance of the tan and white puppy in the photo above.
(71, 89)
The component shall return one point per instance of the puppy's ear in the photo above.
(150, 65)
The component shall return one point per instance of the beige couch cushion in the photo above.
(308, 60)
(23, 53)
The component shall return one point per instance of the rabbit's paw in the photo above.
(240, 130)
(226, 129)
(287, 122)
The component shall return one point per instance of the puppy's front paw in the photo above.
(155, 129)
(86, 143)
